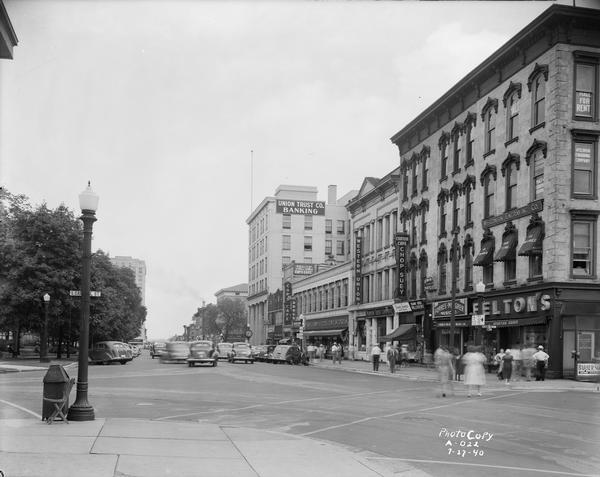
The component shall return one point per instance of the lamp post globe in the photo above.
(44, 335)
(81, 410)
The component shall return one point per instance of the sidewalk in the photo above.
(417, 372)
(33, 364)
(139, 448)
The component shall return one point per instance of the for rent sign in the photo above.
(300, 207)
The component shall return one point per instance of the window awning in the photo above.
(336, 332)
(533, 241)
(508, 249)
(486, 254)
(402, 333)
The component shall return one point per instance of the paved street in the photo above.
(514, 431)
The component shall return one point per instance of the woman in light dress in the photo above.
(474, 362)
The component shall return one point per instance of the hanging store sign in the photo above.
(443, 309)
(402, 307)
(514, 305)
(300, 207)
(401, 244)
(358, 271)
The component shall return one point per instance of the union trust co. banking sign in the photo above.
(300, 207)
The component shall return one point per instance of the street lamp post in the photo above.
(81, 410)
(480, 289)
(44, 338)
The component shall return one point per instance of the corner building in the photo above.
(499, 185)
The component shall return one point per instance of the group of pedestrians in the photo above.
(473, 362)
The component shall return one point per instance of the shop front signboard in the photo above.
(300, 207)
(443, 309)
(588, 369)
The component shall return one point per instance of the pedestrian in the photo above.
(321, 352)
(498, 360)
(443, 363)
(392, 357)
(517, 362)
(376, 353)
(404, 356)
(460, 367)
(541, 363)
(334, 352)
(474, 361)
(528, 362)
(311, 352)
(507, 365)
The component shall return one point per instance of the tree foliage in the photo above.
(232, 318)
(40, 252)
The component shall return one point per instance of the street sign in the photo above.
(477, 320)
(78, 293)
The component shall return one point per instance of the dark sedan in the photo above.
(202, 352)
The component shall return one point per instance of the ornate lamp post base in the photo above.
(81, 413)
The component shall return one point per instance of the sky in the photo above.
(160, 103)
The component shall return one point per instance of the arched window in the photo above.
(468, 186)
(488, 116)
(443, 144)
(536, 159)
(424, 155)
(423, 271)
(510, 166)
(511, 103)
(468, 247)
(468, 126)
(488, 181)
(536, 84)
(455, 136)
(442, 269)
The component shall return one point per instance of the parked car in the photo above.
(240, 351)
(289, 354)
(175, 352)
(157, 349)
(259, 352)
(136, 350)
(106, 352)
(269, 355)
(202, 352)
(223, 349)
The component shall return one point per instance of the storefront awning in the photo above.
(486, 254)
(508, 249)
(336, 332)
(533, 241)
(402, 333)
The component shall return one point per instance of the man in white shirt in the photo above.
(376, 353)
(541, 362)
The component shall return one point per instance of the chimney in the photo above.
(332, 195)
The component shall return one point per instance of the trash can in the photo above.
(55, 383)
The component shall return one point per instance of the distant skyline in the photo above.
(160, 103)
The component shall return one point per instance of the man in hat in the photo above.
(541, 362)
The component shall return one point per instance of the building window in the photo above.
(379, 234)
(413, 237)
(328, 247)
(287, 221)
(328, 226)
(423, 272)
(444, 163)
(535, 266)
(488, 115)
(456, 150)
(510, 270)
(386, 232)
(394, 222)
(423, 228)
(488, 180)
(584, 165)
(443, 217)
(340, 227)
(536, 83)
(308, 243)
(339, 250)
(424, 173)
(285, 259)
(586, 86)
(488, 274)
(538, 174)
(414, 179)
(468, 206)
(405, 185)
(455, 211)
(286, 241)
(511, 185)
(469, 144)
(308, 222)
(583, 232)
(442, 269)
(413, 276)
(468, 255)
(512, 116)
(386, 284)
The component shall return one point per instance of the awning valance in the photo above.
(533, 241)
(508, 249)
(486, 254)
(336, 332)
(402, 333)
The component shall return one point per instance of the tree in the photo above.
(206, 320)
(232, 318)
